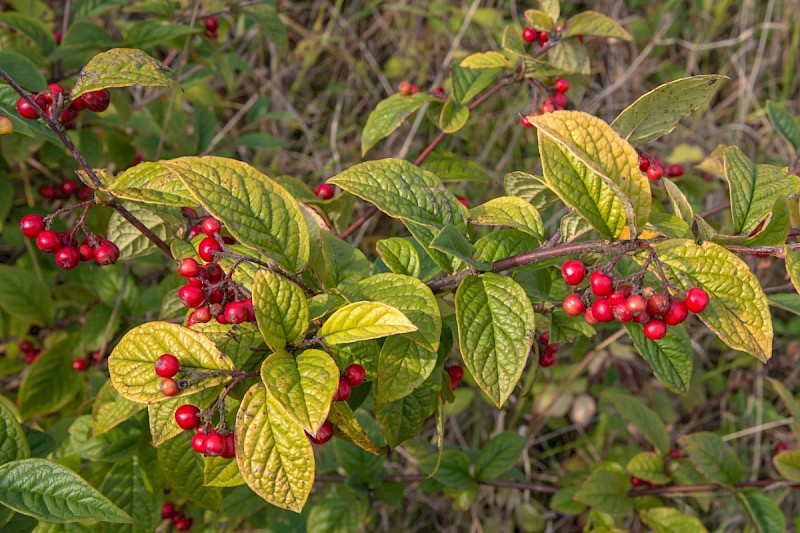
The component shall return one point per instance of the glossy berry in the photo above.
(676, 313)
(456, 373)
(463, 201)
(211, 226)
(658, 304)
(616, 298)
(235, 313)
(96, 101)
(602, 284)
(543, 38)
(588, 316)
(69, 187)
(207, 247)
(80, 365)
(547, 358)
(106, 253)
(31, 225)
(324, 434)
(216, 296)
(675, 453)
(169, 387)
(636, 482)
(573, 271)
(191, 296)
(26, 110)
(573, 305)
(214, 273)
(68, 257)
(641, 318)
(561, 85)
(188, 268)
(404, 88)
(26, 347)
(201, 315)
(211, 23)
(167, 510)
(674, 171)
(781, 447)
(644, 163)
(602, 311)
(547, 107)
(654, 172)
(230, 447)
(167, 365)
(655, 329)
(696, 300)
(559, 100)
(635, 305)
(186, 416)
(529, 35)
(544, 338)
(48, 241)
(214, 445)
(621, 313)
(199, 442)
(324, 191)
(342, 391)
(183, 524)
(525, 122)
(354, 375)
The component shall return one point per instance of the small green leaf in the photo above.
(342, 264)
(763, 512)
(364, 320)
(467, 84)
(451, 167)
(713, 458)
(32, 27)
(46, 387)
(221, 472)
(13, 442)
(499, 455)
(182, 468)
(680, 205)
(273, 452)
(509, 211)
(151, 33)
(122, 67)
(161, 415)
(111, 409)
(342, 511)
(486, 60)
(402, 419)
(658, 112)
(606, 490)
(402, 366)
(495, 332)
(551, 7)
(788, 465)
(648, 466)
(51, 492)
(281, 309)
(670, 357)
(151, 183)
(595, 24)
(504, 243)
(130, 241)
(530, 188)
(23, 71)
(389, 115)
(270, 23)
(453, 117)
(450, 241)
(24, 295)
(669, 520)
(539, 20)
(637, 413)
(399, 255)
(784, 123)
(349, 428)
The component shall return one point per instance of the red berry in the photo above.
(31, 225)
(186, 416)
(235, 313)
(354, 375)
(544, 338)
(404, 88)
(230, 447)
(26, 347)
(325, 191)
(96, 101)
(654, 172)
(251, 313)
(199, 442)
(602, 284)
(57, 36)
(167, 510)
(696, 300)
(86, 252)
(167, 365)
(191, 296)
(675, 453)
(216, 296)
(183, 524)
(602, 311)
(188, 268)
(463, 201)
(529, 35)
(616, 298)
(67, 239)
(644, 163)
(69, 187)
(543, 38)
(211, 23)
(658, 304)
(559, 100)
(79, 365)
(635, 305)
(676, 313)
(561, 85)
(214, 273)
(655, 329)
(456, 373)
(106, 253)
(674, 171)
(636, 482)
(525, 122)
(169, 387)
(342, 391)
(214, 445)
(573, 305)
(641, 318)
(573, 271)
(211, 226)
(547, 107)
(68, 257)
(207, 247)
(547, 358)
(589, 317)
(189, 213)
(201, 315)
(48, 241)
(26, 110)
(324, 433)
(781, 447)
(621, 313)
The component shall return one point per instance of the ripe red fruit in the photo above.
(201, 315)
(602, 284)
(251, 313)
(561, 85)
(188, 268)
(211, 226)
(559, 100)
(183, 524)
(547, 107)
(404, 88)
(186, 416)
(676, 313)
(79, 365)
(342, 391)
(48, 241)
(573, 305)
(211, 23)
(191, 296)
(324, 191)
(674, 171)
(68, 257)
(207, 247)
(354, 375)
(26, 347)
(636, 482)
(644, 163)
(655, 329)
(86, 252)
(675, 453)
(169, 387)
(456, 373)
(324, 434)
(573, 271)
(230, 447)
(26, 110)
(235, 313)
(543, 38)
(658, 304)
(525, 122)
(67, 239)
(621, 313)
(642, 318)
(69, 187)
(544, 338)
(635, 305)
(216, 296)
(96, 101)
(214, 445)
(547, 358)
(214, 273)
(57, 36)
(106, 253)
(167, 365)
(654, 172)
(601, 310)
(589, 317)
(31, 225)
(167, 510)
(696, 300)
(529, 35)
(199, 442)
(616, 298)
(781, 447)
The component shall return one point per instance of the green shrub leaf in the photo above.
(389, 115)
(784, 123)
(281, 309)
(399, 255)
(182, 468)
(713, 458)
(637, 413)
(122, 67)
(670, 357)
(788, 465)
(595, 24)
(509, 211)
(669, 520)
(499, 455)
(364, 320)
(606, 490)
(13, 442)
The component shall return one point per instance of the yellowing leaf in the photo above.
(509, 211)
(302, 386)
(364, 320)
(596, 24)
(111, 408)
(593, 170)
(486, 60)
(221, 472)
(788, 465)
(281, 309)
(648, 466)
(344, 420)
(122, 67)
(131, 364)
(453, 117)
(273, 452)
(538, 20)
(738, 311)
(389, 115)
(399, 255)
(669, 520)
(402, 367)
(793, 266)
(151, 183)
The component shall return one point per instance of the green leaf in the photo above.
(495, 332)
(738, 311)
(281, 309)
(539, 20)
(453, 117)
(399, 255)
(450, 241)
(122, 67)
(23, 71)
(31, 27)
(257, 211)
(509, 211)
(402, 419)
(402, 367)
(680, 205)
(49, 491)
(593, 171)
(132, 361)
(531, 188)
(110, 409)
(47, 387)
(754, 189)
(504, 243)
(450, 167)
(237, 341)
(362, 321)
(763, 512)
(669, 520)
(551, 7)
(130, 241)
(302, 386)
(467, 84)
(183, 468)
(595, 24)
(349, 429)
(342, 511)
(151, 33)
(273, 452)
(637, 413)
(24, 295)
(713, 458)
(784, 123)
(486, 60)
(13, 442)
(221, 472)
(499, 455)
(658, 112)
(606, 490)
(389, 115)
(668, 226)
(127, 487)
(342, 264)
(568, 58)
(151, 183)
(670, 357)
(648, 466)
(788, 465)
(565, 328)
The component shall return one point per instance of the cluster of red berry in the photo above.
(169, 512)
(82, 364)
(547, 351)
(353, 376)
(64, 190)
(556, 102)
(211, 25)
(655, 170)
(64, 245)
(53, 99)
(167, 366)
(456, 373)
(29, 351)
(407, 88)
(529, 35)
(655, 310)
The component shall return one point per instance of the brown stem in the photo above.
(271, 265)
